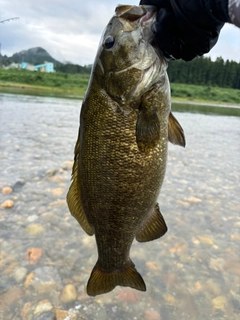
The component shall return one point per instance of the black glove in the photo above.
(185, 29)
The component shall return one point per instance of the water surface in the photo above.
(193, 272)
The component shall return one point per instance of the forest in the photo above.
(203, 71)
(200, 71)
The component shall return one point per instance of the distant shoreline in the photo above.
(35, 90)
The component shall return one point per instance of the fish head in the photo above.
(128, 61)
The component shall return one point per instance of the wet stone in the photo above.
(68, 294)
(34, 229)
(33, 255)
(151, 314)
(45, 316)
(19, 274)
(8, 204)
(43, 307)
(19, 184)
(7, 190)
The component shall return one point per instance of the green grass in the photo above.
(74, 85)
(205, 93)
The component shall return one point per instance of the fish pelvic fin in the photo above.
(102, 282)
(154, 228)
(74, 196)
(175, 131)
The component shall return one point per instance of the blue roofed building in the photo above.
(45, 67)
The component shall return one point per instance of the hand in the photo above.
(184, 29)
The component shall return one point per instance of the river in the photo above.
(191, 273)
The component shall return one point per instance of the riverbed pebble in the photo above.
(7, 190)
(8, 204)
(43, 306)
(33, 255)
(68, 294)
(19, 274)
(34, 229)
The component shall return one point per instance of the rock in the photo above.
(206, 240)
(128, 295)
(235, 237)
(11, 296)
(219, 303)
(194, 200)
(26, 311)
(19, 274)
(43, 306)
(45, 279)
(28, 280)
(57, 191)
(7, 190)
(61, 314)
(7, 204)
(9, 269)
(32, 218)
(68, 294)
(45, 316)
(233, 266)
(179, 248)
(67, 315)
(57, 179)
(19, 184)
(151, 314)
(51, 172)
(33, 255)
(153, 266)
(89, 242)
(67, 165)
(34, 229)
(169, 298)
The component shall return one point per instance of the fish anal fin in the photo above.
(175, 131)
(102, 282)
(74, 197)
(154, 228)
(147, 130)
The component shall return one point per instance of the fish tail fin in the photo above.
(103, 282)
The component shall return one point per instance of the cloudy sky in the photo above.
(70, 29)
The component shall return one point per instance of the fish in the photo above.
(121, 151)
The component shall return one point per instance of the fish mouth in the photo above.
(134, 13)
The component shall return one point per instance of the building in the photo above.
(45, 67)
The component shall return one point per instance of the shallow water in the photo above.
(193, 272)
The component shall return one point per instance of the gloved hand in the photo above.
(186, 29)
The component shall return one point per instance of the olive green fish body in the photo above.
(121, 152)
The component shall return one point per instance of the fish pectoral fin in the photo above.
(175, 131)
(102, 282)
(154, 228)
(74, 199)
(147, 130)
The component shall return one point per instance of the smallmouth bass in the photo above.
(121, 150)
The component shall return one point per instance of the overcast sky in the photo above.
(70, 29)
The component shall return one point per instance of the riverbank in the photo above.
(75, 86)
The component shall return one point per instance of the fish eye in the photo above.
(109, 42)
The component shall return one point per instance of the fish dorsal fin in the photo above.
(73, 196)
(154, 228)
(175, 131)
(147, 130)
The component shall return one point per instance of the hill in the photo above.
(34, 56)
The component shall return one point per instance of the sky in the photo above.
(70, 30)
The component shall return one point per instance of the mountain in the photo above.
(34, 56)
